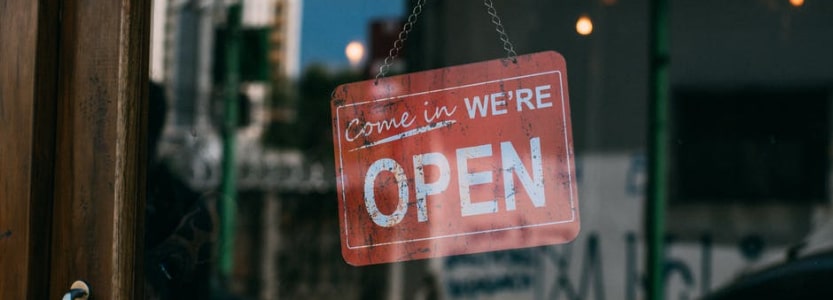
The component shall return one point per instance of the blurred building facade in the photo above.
(184, 58)
(283, 233)
(285, 38)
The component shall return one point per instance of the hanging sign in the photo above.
(465, 159)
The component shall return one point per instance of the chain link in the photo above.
(400, 42)
(507, 45)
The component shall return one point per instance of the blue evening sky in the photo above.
(328, 25)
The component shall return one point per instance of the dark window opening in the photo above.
(750, 146)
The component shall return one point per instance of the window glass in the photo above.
(727, 103)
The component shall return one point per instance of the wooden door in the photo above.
(73, 84)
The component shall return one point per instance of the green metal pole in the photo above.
(658, 137)
(229, 185)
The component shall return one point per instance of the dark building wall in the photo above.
(760, 43)
(713, 44)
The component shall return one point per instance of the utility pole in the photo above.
(658, 137)
(229, 184)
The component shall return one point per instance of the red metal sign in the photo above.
(465, 159)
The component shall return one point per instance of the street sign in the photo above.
(464, 159)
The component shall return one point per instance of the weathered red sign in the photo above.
(465, 159)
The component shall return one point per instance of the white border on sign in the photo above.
(567, 158)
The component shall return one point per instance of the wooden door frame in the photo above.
(28, 80)
(73, 113)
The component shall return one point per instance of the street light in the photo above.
(354, 52)
(584, 26)
(797, 3)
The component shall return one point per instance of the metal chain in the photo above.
(409, 25)
(403, 35)
(507, 45)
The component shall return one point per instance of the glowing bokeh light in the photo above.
(584, 26)
(354, 52)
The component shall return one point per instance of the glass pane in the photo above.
(243, 200)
